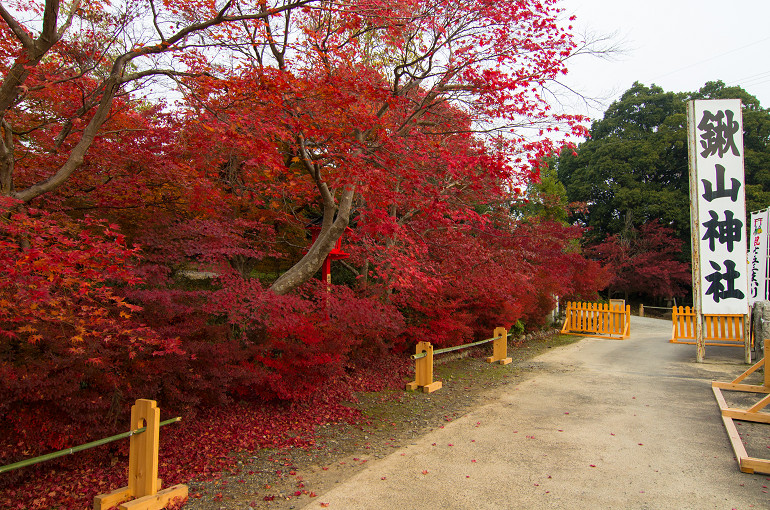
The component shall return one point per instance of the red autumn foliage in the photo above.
(644, 260)
(63, 326)
(196, 449)
(400, 119)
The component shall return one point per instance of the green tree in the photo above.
(546, 198)
(634, 167)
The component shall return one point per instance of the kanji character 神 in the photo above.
(726, 232)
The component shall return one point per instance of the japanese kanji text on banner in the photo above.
(758, 256)
(716, 154)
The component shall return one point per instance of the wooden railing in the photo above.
(718, 330)
(143, 491)
(597, 319)
(423, 365)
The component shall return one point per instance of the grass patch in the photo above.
(466, 378)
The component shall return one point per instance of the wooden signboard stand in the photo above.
(753, 414)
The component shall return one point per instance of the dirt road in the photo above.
(604, 424)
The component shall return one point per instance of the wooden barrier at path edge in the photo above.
(423, 365)
(597, 320)
(143, 490)
(718, 330)
(143, 482)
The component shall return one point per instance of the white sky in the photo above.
(676, 44)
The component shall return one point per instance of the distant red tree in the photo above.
(644, 260)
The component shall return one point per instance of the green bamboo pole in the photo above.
(92, 444)
(456, 347)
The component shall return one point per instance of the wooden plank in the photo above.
(627, 321)
(753, 388)
(143, 449)
(732, 432)
(742, 414)
(745, 463)
(110, 499)
(750, 371)
(683, 326)
(711, 344)
(755, 465)
(589, 335)
(500, 347)
(760, 405)
(157, 500)
(114, 498)
(597, 320)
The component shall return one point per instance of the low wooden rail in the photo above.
(143, 489)
(597, 319)
(423, 365)
(718, 330)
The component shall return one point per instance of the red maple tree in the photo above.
(644, 260)
(404, 120)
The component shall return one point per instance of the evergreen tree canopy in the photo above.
(634, 167)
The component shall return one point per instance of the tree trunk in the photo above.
(331, 230)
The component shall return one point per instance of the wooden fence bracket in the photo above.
(423, 366)
(718, 330)
(423, 370)
(143, 490)
(500, 347)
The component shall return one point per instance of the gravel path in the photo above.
(603, 424)
(598, 423)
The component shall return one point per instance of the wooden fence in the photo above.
(597, 319)
(143, 491)
(718, 330)
(423, 367)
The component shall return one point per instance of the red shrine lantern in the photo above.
(335, 254)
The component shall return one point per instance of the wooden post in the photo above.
(143, 483)
(747, 339)
(500, 347)
(143, 449)
(692, 140)
(700, 343)
(423, 370)
(626, 321)
(641, 309)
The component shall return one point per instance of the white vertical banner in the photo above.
(758, 256)
(767, 266)
(716, 149)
